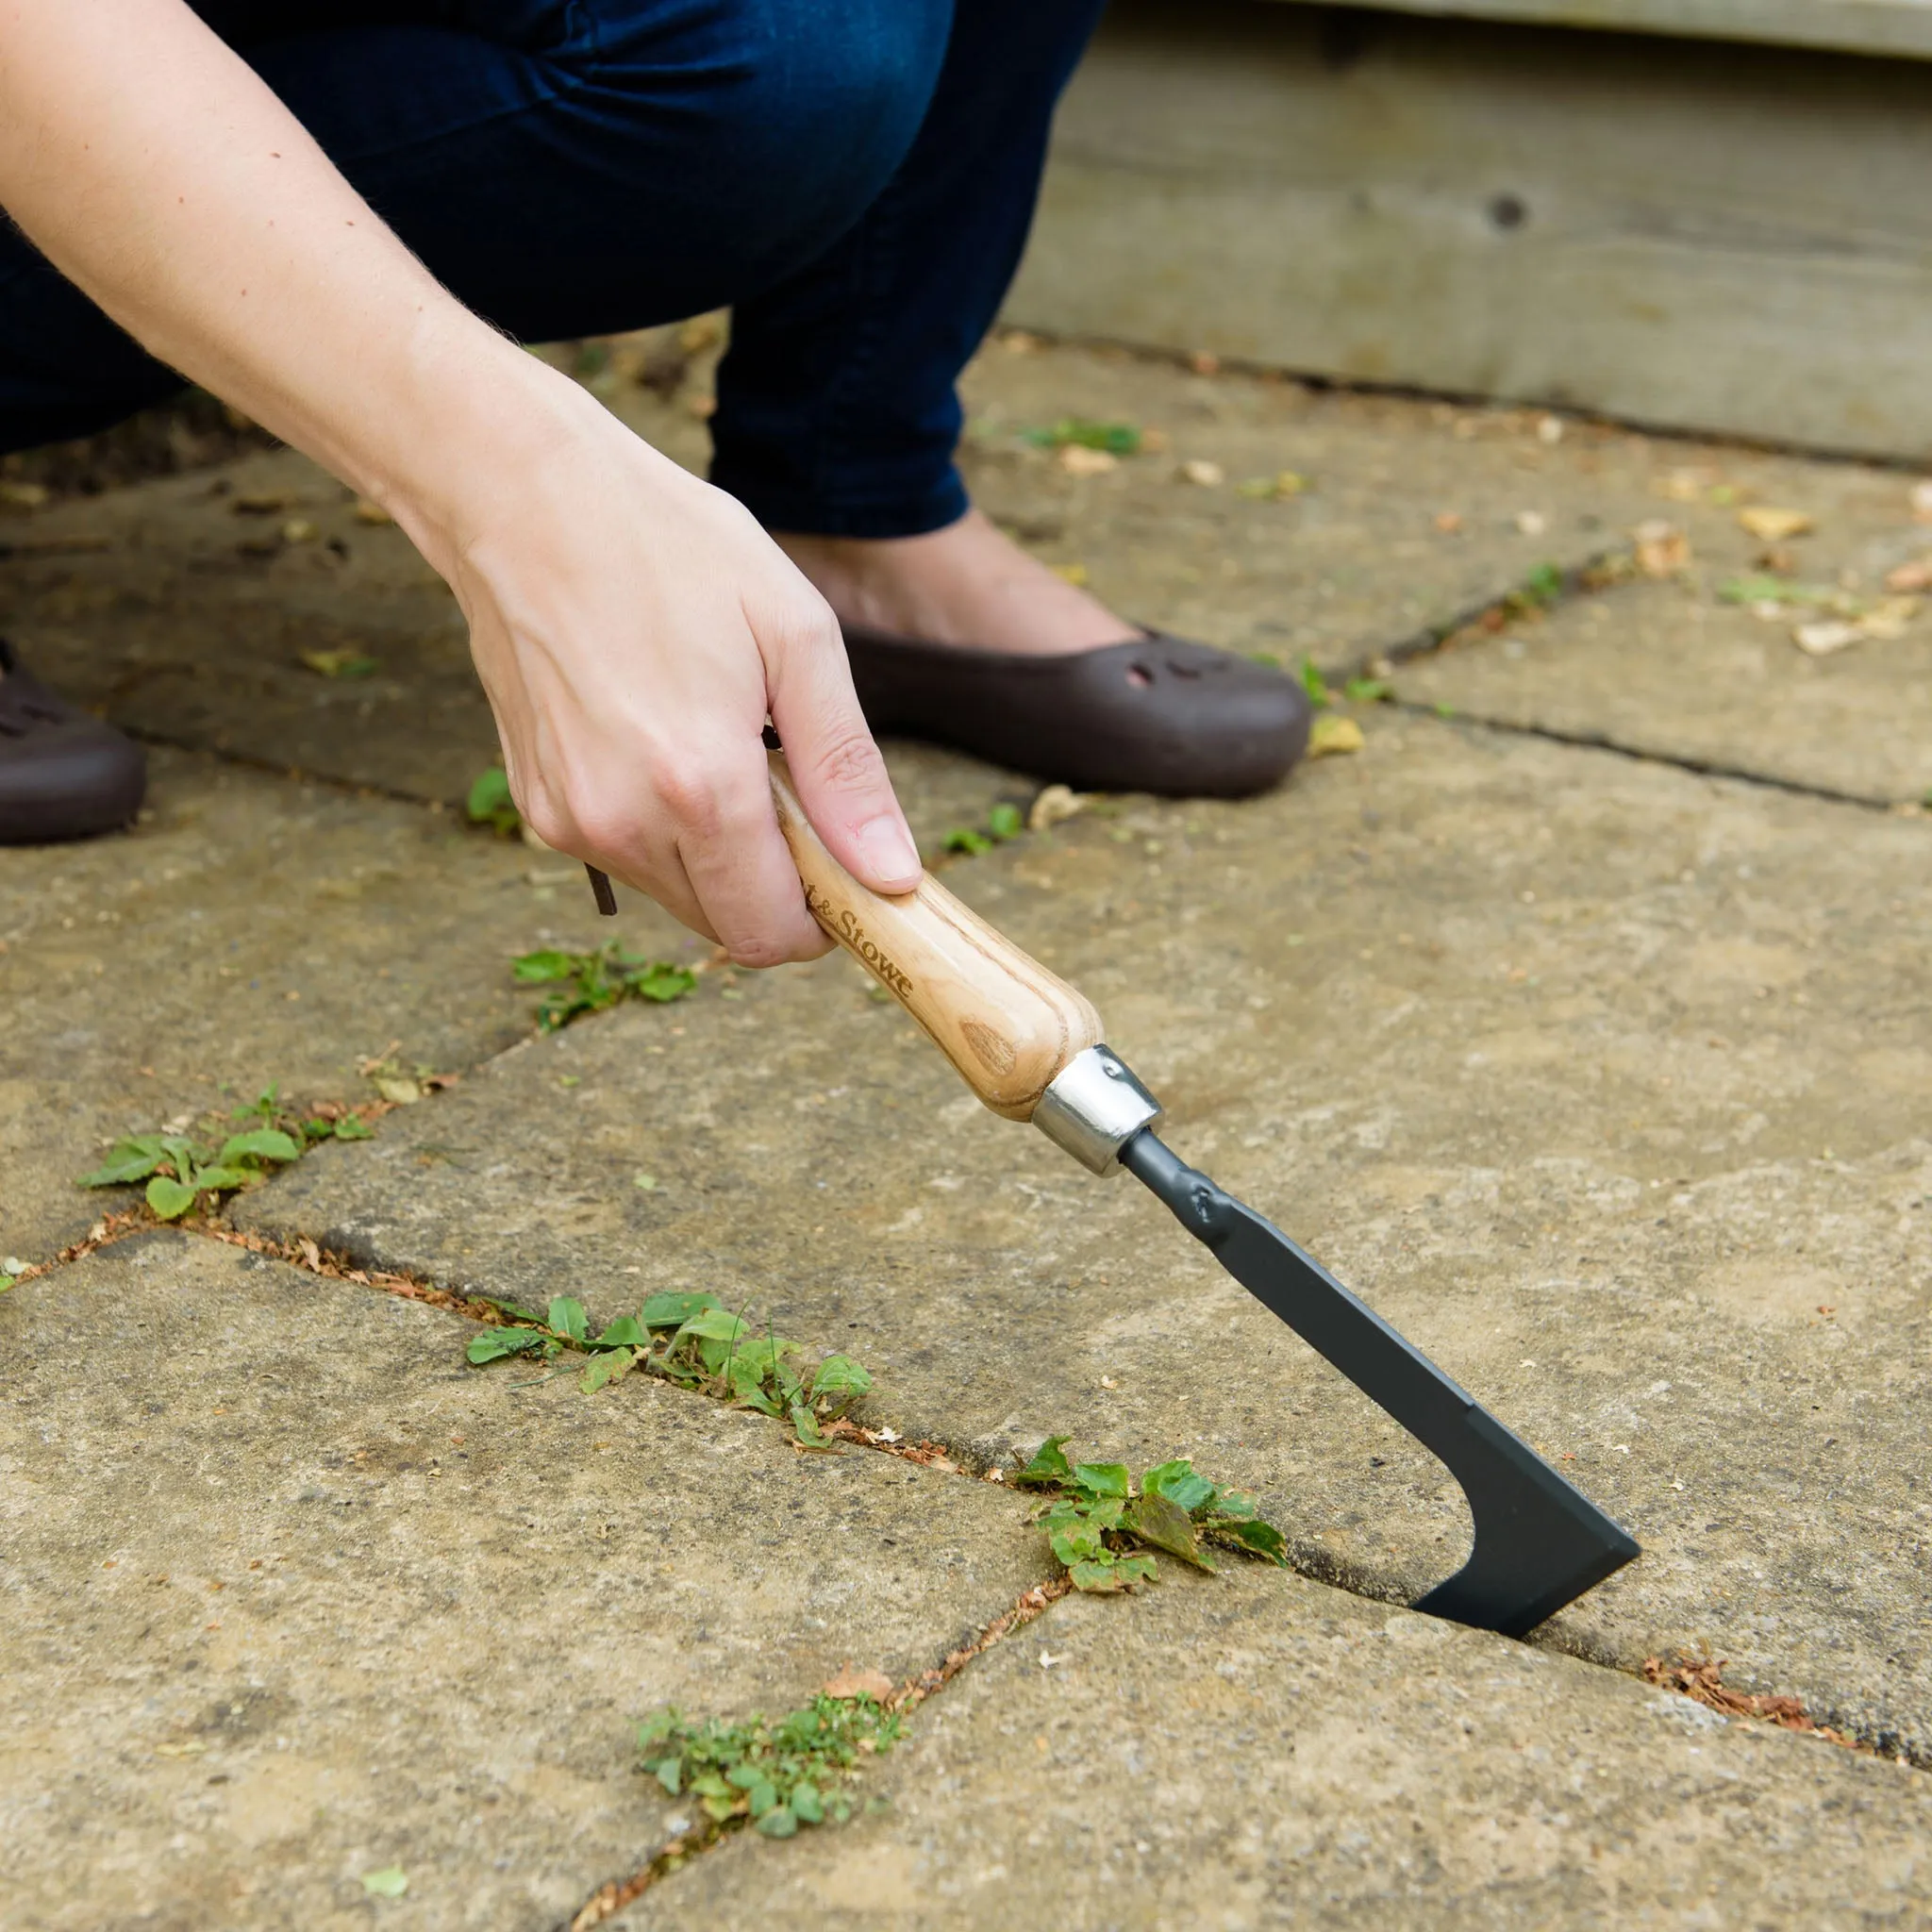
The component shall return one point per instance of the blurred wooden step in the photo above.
(1692, 233)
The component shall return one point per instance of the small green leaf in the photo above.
(1005, 822)
(352, 1128)
(1097, 1574)
(1048, 1465)
(671, 1310)
(1544, 584)
(1077, 1543)
(807, 1426)
(1177, 1481)
(1116, 439)
(567, 1316)
(390, 1882)
(1260, 1538)
(219, 1179)
(1368, 691)
(713, 1323)
(661, 983)
(779, 1821)
(1101, 1479)
(7, 1281)
(658, 1726)
(1161, 1520)
(763, 1798)
(670, 1774)
(260, 1143)
(130, 1161)
(807, 1805)
(611, 1366)
(540, 968)
(495, 1343)
(745, 1777)
(169, 1199)
(626, 1332)
(964, 839)
(1314, 683)
(490, 802)
(839, 1375)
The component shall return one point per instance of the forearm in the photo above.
(154, 170)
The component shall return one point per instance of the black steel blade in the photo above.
(1540, 1542)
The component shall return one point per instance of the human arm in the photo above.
(632, 626)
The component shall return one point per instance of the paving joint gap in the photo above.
(298, 774)
(1703, 767)
(615, 1894)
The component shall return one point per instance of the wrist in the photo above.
(485, 417)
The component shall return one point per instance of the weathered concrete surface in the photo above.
(1253, 1751)
(253, 929)
(189, 621)
(292, 1594)
(1603, 1081)
(1672, 670)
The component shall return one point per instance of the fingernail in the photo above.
(888, 850)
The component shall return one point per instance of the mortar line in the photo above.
(298, 774)
(1706, 768)
(614, 1894)
(1697, 1679)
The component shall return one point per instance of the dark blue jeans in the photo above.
(854, 178)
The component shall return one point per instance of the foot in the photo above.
(64, 774)
(968, 584)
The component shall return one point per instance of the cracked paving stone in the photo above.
(1602, 1081)
(292, 1594)
(1251, 1750)
(1672, 670)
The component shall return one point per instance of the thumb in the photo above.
(841, 779)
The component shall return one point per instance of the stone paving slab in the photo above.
(181, 611)
(1603, 1081)
(292, 1594)
(1672, 670)
(253, 929)
(1252, 1750)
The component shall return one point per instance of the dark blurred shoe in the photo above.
(1154, 714)
(64, 774)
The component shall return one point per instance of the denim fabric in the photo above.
(855, 177)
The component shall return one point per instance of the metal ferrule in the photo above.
(1093, 1108)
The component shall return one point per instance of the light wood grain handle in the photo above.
(1003, 1020)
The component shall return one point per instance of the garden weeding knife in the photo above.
(1030, 1047)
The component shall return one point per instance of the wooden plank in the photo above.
(1902, 29)
(1716, 238)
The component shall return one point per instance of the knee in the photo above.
(795, 113)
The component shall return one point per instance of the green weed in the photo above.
(1368, 691)
(776, 1776)
(179, 1170)
(489, 804)
(1005, 821)
(1102, 1528)
(592, 981)
(692, 1340)
(1116, 439)
(1314, 683)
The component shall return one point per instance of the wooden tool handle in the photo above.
(1003, 1020)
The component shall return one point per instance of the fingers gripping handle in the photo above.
(1004, 1021)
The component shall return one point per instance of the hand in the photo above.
(633, 627)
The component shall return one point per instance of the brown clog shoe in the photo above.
(64, 774)
(1154, 714)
